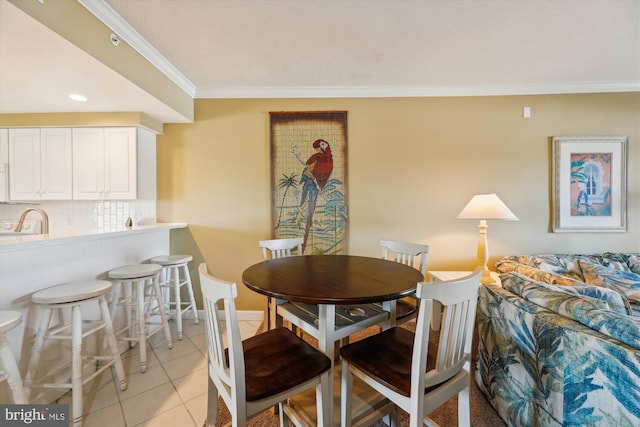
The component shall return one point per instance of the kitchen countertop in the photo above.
(25, 241)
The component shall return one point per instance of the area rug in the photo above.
(482, 414)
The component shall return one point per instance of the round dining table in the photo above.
(330, 280)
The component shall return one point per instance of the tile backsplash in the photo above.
(70, 215)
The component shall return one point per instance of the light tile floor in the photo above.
(172, 392)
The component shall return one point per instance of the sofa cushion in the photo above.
(625, 282)
(616, 301)
(557, 301)
(623, 328)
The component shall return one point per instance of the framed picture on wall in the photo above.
(308, 179)
(589, 183)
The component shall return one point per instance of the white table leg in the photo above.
(389, 306)
(326, 344)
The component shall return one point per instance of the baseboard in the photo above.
(251, 315)
(247, 315)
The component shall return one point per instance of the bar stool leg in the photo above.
(13, 373)
(175, 273)
(116, 291)
(163, 313)
(113, 343)
(76, 364)
(192, 298)
(130, 310)
(36, 351)
(142, 324)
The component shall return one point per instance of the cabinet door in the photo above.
(40, 164)
(24, 164)
(88, 164)
(55, 164)
(104, 163)
(120, 166)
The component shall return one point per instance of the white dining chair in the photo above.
(411, 254)
(274, 249)
(265, 370)
(394, 362)
(349, 319)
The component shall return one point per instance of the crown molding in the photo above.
(416, 91)
(101, 10)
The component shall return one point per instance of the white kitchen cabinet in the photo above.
(104, 163)
(40, 164)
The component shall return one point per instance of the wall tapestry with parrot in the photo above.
(308, 179)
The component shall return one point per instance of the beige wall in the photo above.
(413, 164)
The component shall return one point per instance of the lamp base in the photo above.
(486, 277)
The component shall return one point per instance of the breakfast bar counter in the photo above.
(29, 263)
(18, 241)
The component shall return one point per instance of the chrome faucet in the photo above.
(43, 214)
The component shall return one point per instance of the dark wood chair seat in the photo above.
(277, 360)
(387, 357)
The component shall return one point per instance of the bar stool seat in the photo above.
(9, 371)
(175, 275)
(74, 295)
(137, 287)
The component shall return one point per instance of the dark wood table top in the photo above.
(332, 279)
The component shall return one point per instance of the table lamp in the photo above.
(484, 207)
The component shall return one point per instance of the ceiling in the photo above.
(329, 48)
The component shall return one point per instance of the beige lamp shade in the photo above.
(484, 207)
(487, 206)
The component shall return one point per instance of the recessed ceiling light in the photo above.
(78, 97)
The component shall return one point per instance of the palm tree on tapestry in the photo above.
(286, 183)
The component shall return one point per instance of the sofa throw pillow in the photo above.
(615, 261)
(537, 274)
(633, 261)
(565, 265)
(624, 282)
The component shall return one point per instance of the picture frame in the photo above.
(589, 181)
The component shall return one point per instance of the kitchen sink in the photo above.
(7, 228)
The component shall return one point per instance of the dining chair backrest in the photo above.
(273, 249)
(411, 254)
(280, 248)
(227, 372)
(458, 299)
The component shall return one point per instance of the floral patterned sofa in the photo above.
(559, 342)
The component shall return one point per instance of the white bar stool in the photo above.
(141, 289)
(74, 295)
(9, 371)
(172, 265)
